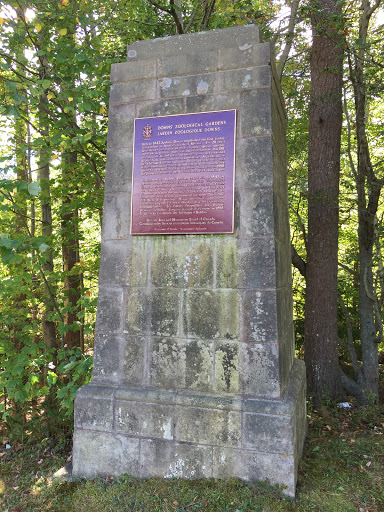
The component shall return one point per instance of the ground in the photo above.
(342, 470)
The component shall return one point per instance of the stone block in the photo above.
(190, 85)
(120, 127)
(210, 102)
(134, 360)
(165, 107)
(245, 55)
(254, 164)
(283, 264)
(227, 368)
(138, 273)
(226, 260)
(244, 78)
(137, 320)
(199, 364)
(118, 176)
(167, 363)
(108, 357)
(129, 92)
(104, 454)
(256, 215)
(94, 415)
(281, 220)
(256, 263)
(211, 314)
(260, 370)
(127, 71)
(179, 65)
(255, 113)
(193, 43)
(109, 310)
(114, 263)
(228, 461)
(260, 316)
(198, 265)
(169, 459)
(208, 426)
(116, 218)
(164, 311)
(274, 468)
(145, 420)
(167, 260)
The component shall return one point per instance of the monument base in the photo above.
(148, 433)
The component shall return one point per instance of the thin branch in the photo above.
(298, 262)
(350, 345)
(289, 39)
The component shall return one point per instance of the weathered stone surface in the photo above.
(244, 78)
(118, 177)
(109, 311)
(245, 55)
(120, 122)
(227, 368)
(205, 426)
(195, 43)
(255, 113)
(104, 454)
(108, 357)
(208, 102)
(145, 420)
(179, 65)
(116, 214)
(127, 71)
(254, 163)
(94, 415)
(133, 360)
(199, 360)
(260, 316)
(201, 84)
(132, 91)
(211, 314)
(167, 365)
(114, 263)
(170, 459)
(260, 370)
(194, 370)
(256, 212)
(165, 107)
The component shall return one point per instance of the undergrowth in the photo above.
(342, 470)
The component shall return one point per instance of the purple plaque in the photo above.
(183, 174)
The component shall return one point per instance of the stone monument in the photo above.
(194, 370)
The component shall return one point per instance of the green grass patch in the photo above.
(342, 470)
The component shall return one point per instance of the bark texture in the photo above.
(325, 122)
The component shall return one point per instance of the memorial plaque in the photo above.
(183, 174)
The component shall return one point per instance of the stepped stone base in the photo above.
(148, 433)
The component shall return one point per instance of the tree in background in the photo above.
(325, 122)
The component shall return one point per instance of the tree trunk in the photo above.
(49, 331)
(325, 122)
(70, 252)
(368, 194)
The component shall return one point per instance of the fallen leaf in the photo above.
(175, 502)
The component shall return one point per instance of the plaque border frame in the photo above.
(233, 175)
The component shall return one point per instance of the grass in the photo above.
(342, 470)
